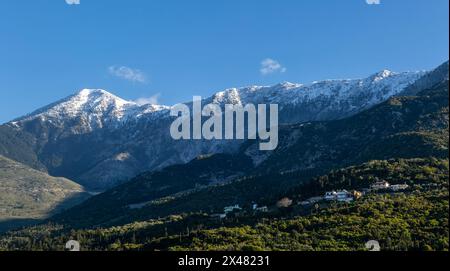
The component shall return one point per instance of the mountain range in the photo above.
(334, 134)
(99, 140)
(403, 127)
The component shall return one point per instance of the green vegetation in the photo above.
(399, 222)
(416, 219)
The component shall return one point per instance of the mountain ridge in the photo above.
(106, 99)
(125, 139)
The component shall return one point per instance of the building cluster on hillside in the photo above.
(380, 185)
(230, 209)
(331, 196)
(346, 196)
(383, 185)
(236, 209)
(341, 196)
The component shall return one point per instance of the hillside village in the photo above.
(346, 196)
(340, 196)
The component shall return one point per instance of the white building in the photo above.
(380, 185)
(341, 196)
(344, 196)
(330, 196)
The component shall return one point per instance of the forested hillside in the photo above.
(415, 219)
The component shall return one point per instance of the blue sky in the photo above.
(173, 50)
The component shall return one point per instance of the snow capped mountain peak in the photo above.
(99, 96)
(88, 91)
(94, 101)
(385, 73)
(231, 95)
(92, 92)
(92, 108)
(288, 85)
(97, 108)
(354, 92)
(382, 75)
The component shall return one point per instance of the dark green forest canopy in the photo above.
(412, 220)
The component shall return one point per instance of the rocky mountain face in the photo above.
(100, 140)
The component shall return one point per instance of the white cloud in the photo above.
(127, 73)
(73, 2)
(269, 66)
(373, 2)
(150, 100)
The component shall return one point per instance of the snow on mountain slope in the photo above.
(377, 88)
(82, 136)
(99, 108)
(324, 100)
(96, 107)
